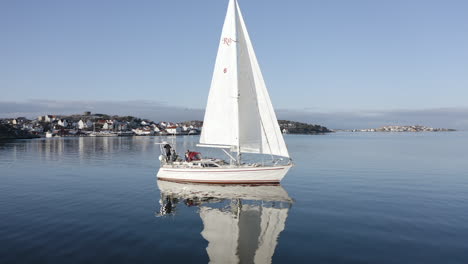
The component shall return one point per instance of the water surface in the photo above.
(351, 198)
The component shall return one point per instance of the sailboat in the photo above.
(242, 224)
(239, 118)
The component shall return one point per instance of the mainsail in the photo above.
(239, 113)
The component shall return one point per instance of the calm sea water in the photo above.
(351, 198)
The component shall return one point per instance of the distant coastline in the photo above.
(103, 125)
(415, 128)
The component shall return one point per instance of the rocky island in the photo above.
(291, 127)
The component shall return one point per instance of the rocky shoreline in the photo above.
(10, 132)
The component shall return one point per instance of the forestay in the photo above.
(239, 112)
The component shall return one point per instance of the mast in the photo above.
(238, 90)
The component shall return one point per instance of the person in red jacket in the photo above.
(192, 155)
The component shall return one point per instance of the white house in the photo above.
(82, 125)
(143, 132)
(108, 125)
(155, 128)
(62, 123)
(49, 118)
(173, 130)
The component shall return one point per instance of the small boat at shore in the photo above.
(103, 134)
(239, 119)
(125, 133)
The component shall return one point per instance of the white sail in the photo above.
(239, 112)
(220, 126)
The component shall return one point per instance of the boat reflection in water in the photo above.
(242, 224)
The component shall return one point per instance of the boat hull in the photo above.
(225, 175)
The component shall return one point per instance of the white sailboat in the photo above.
(239, 117)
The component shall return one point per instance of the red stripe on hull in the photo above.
(219, 182)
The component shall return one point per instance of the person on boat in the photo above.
(174, 155)
(168, 147)
(192, 155)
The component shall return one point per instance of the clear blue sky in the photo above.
(320, 55)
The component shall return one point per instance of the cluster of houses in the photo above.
(165, 128)
(98, 125)
(416, 128)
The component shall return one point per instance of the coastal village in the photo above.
(88, 124)
(102, 125)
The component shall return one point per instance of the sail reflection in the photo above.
(242, 224)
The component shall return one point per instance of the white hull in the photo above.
(225, 174)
